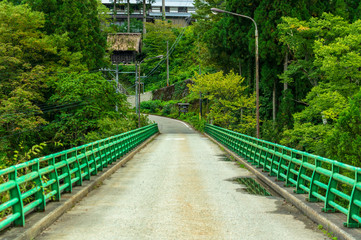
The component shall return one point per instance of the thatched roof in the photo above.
(124, 42)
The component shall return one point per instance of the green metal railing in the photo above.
(30, 185)
(336, 184)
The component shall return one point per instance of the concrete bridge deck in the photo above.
(178, 187)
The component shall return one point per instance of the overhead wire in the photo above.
(10, 135)
(42, 111)
(170, 51)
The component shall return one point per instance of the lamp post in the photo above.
(216, 10)
(138, 88)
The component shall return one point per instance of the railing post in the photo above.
(291, 166)
(54, 175)
(355, 202)
(78, 172)
(92, 161)
(16, 193)
(66, 168)
(330, 196)
(87, 168)
(271, 173)
(265, 169)
(40, 194)
(313, 186)
(300, 180)
(280, 168)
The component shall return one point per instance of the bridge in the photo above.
(180, 184)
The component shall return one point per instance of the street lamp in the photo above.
(216, 10)
(138, 90)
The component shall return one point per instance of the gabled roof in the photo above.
(125, 42)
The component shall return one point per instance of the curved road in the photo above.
(178, 187)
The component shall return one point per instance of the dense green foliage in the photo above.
(184, 57)
(309, 72)
(80, 21)
(49, 98)
(230, 106)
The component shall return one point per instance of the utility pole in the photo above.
(139, 98)
(163, 10)
(167, 64)
(200, 73)
(114, 11)
(117, 84)
(257, 81)
(144, 20)
(136, 88)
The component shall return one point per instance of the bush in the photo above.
(112, 126)
(151, 106)
(193, 119)
(167, 109)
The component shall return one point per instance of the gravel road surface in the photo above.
(180, 187)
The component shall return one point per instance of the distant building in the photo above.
(124, 47)
(177, 11)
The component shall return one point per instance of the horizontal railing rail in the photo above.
(336, 184)
(30, 185)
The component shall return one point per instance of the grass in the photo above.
(326, 232)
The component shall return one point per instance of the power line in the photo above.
(170, 51)
(25, 112)
(41, 110)
(18, 133)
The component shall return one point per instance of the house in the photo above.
(177, 11)
(124, 47)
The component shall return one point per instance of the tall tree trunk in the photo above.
(128, 15)
(285, 67)
(163, 10)
(144, 17)
(240, 67)
(114, 11)
(274, 102)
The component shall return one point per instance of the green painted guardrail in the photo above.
(30, 185)
(336, 184)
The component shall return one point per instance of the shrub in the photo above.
(151, 106)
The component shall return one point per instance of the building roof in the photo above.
(158, 3)
(174, 3)
(124, 42)
(169, 14)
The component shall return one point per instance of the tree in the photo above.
(345, 141)
(316, 121)
(23, 52)
(94, 99)
(80, 20)
(230, 107)
(340, 60)
(325, 53)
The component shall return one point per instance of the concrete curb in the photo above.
(311, 210)
(36, 223)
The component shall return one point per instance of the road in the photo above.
(143, 97)
(179, 187)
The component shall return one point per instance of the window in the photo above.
(182, 9)
(167, 9)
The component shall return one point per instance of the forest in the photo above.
(53, 96)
